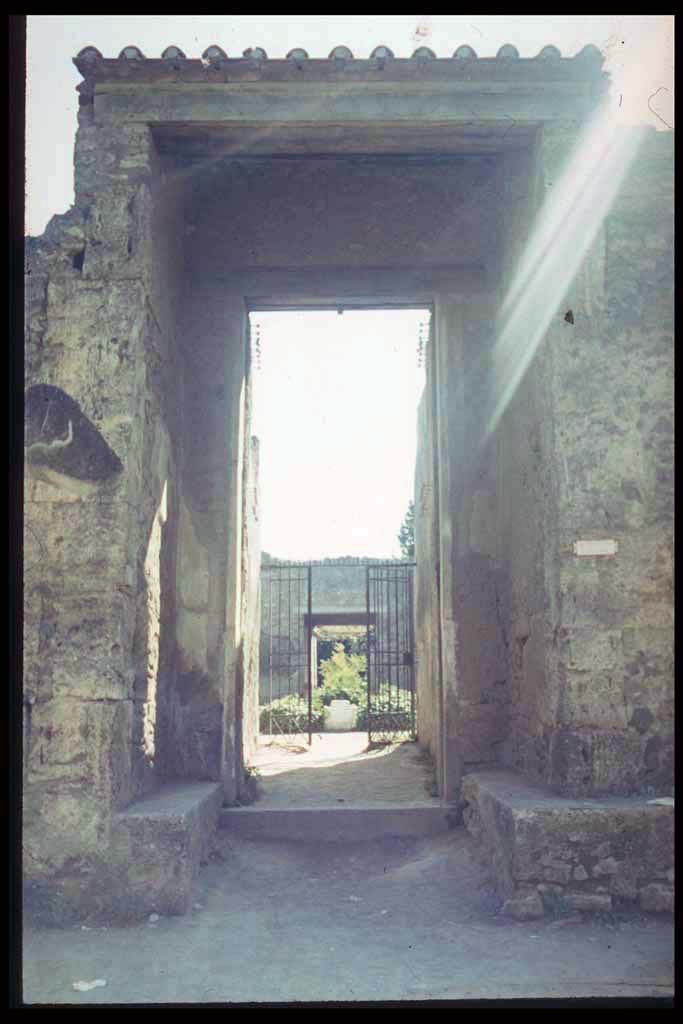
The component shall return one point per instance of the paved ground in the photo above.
(408, 919)
(339, 768)
(402, 918)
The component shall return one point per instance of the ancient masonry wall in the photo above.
(520, 506)
(610, 376)
(584, 451)
(99, 546)
(251, 605)
(559, 666)
(426, 581)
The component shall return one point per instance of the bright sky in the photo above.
(335, 412)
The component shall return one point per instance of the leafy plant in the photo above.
(343, 680)
(290, 714)
(391, 709)
(343, 677)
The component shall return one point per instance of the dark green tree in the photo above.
(406, 535)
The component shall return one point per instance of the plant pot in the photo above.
(340, 716)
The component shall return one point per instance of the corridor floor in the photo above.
(338, 768)
(390, 919)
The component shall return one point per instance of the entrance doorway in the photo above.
(335, 394)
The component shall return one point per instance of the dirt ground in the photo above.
(341, 768)
(391, 919)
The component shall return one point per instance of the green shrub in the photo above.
(290, 714)
(343, 680)
(343, 677)
(390, 709)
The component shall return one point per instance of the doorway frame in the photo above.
(387, 288)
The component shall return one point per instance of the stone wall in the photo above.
(559, 666)
(428, 693)
(475, 718)
(521, 506)
(140, 537)
(212, 352)
(584, 451)
(247, 720)
(610, 377)
(135, 428)
(555, 856)
(98, 530)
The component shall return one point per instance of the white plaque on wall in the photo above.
(595, 547)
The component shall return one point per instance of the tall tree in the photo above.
(406, 535)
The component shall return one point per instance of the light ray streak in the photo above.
(565, 228)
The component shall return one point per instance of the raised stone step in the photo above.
(553, 853)
(337, 824)
(159, 843)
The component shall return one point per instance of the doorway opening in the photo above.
(334, 402)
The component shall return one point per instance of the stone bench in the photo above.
(550, 852)
(159, 842)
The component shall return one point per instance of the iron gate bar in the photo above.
(309, 636)
(390, 651)
(288, 636)
(368, 648)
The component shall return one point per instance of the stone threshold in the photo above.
(351, 823)
(556, 855)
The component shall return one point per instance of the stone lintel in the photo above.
(325, 286)
(240, 102)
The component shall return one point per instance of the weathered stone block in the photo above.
(119, 231)
(524, 908)
(532, 836)
(81, 542)
(482, 727)
(110, 726)
(589, 902)
(594, 761)
(608, 866)
(197, 749)
(84, 744)
(63, 826)
(658, 898)
(558, 873)
(107, 155)
(91, 640)
(159, 843)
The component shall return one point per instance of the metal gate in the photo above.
(286, 649)
(390, 646)
(287, 670)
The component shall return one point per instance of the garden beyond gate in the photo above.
(375, 652)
